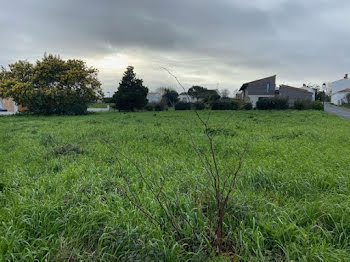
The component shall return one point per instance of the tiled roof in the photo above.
(295, 88)
(344, 90)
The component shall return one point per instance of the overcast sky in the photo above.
(221, 43)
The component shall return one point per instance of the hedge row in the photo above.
(282, 104)
(274, 103)
(308, 104)
(217, 105)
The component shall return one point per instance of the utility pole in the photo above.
(324, 93)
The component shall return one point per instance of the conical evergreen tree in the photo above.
(131, 93)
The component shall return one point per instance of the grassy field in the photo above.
(99, 105)
(58, 180)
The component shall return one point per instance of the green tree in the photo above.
(51, 86)
(210, 96)
(131, 93)
(204, 94)
(197, 91)
(171, 97)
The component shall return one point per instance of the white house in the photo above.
(311, 90)
(9, 106)
(184, 97)
(340, 97)
(154, 97)
(340, 89)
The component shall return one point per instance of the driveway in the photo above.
(336, 110)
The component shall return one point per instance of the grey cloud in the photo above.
(226, 42)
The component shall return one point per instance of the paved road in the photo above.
(336, 110)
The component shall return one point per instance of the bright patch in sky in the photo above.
(114, 62)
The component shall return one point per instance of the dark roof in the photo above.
(245, 85)
(295, 88)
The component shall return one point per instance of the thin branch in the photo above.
(230, 173)
(134, 201)
(233, 182)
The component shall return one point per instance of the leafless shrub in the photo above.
(221, 179)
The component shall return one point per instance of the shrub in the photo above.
(76, 109)
(183, 106)
(225, 105)
(199, 106)
(107, 100)
(149, 107)
(159, 107)
(248, 106)
(272, 103)
(302, 104)
(67, 149)
(281, 103)
(317, 105)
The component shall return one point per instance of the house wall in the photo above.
(293, 94)
(259, 87)
(255, 98)
(106, 109)
(339, 98)
(340, 85)
(187, 98)
(8, 104)
(310, 90)
(11, 105)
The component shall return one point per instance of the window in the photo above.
(267, 87)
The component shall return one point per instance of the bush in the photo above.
(276, 103)
(317, 105)
(225, 105)
(183, 106)
(303, 104)
(77, 109)
(149, 107)
(199, 106)
(159, 107)
(107, 100)
(248, 106)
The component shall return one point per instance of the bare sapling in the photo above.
(222, 181)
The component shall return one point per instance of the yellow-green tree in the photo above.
(51, 86)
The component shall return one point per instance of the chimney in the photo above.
(346, 76)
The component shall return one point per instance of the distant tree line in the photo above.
(132, 95)
(56, 86)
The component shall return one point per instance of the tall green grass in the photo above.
(58, 180)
